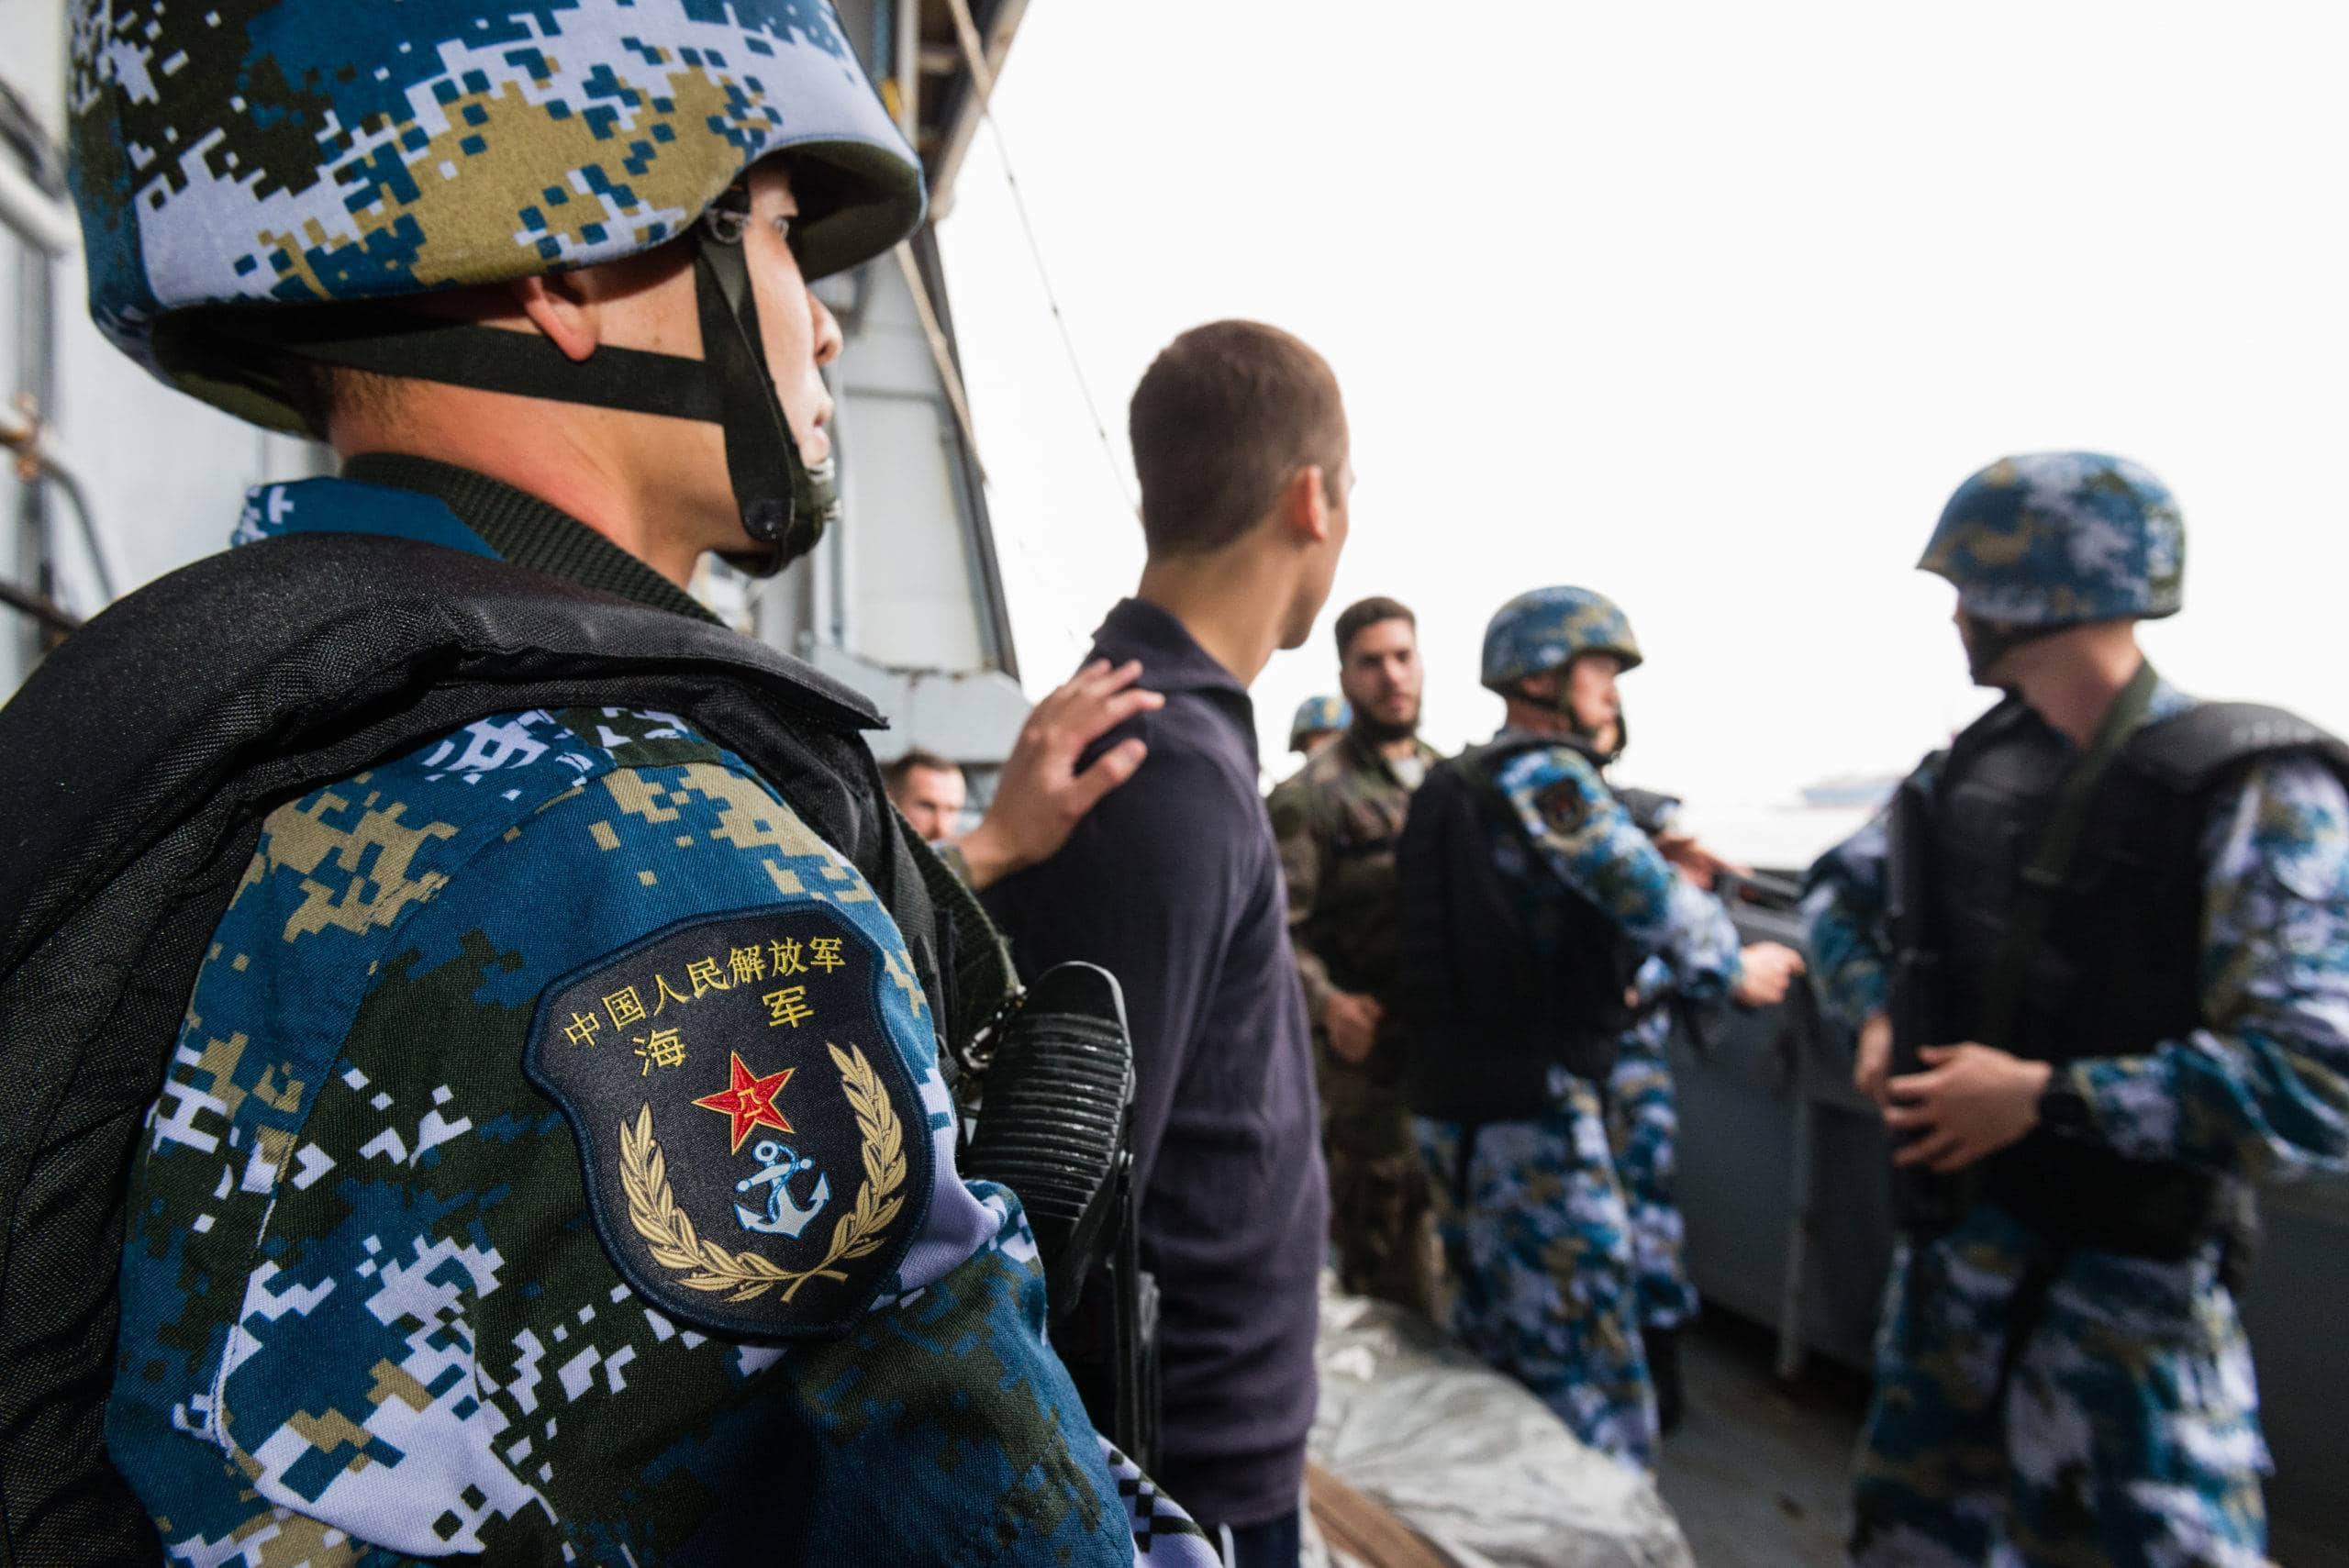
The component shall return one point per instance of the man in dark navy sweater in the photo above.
(1173, 883)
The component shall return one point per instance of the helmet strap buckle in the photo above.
(1988, 642)
(784, 506)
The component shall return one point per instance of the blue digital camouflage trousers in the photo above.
(1539, 1242)
(1644, 1128)
(2037, 1405)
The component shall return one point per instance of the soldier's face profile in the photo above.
(1591, 696)
(799, 334)
(648, 303)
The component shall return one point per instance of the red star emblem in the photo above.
(749, 1100)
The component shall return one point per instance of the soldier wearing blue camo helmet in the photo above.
(1554, 629)
(2050, 539)
(554, 1159)
(1531, 903)
(233, 162)
(1317, 719)
(2096, 955)
(1548, 627)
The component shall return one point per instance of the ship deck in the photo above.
(1759, 1471)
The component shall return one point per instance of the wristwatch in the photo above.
(2063, 1109)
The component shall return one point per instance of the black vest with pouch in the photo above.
(1504, 972)
(135, 767)
(2119, 971)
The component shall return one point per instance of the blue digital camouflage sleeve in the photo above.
(1596, 849)
(1843, 896)
(554, 1164)
(2264, 1089)
(1843, 911)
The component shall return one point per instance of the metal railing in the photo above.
(39, 460)
(33, 209)
(34, 216)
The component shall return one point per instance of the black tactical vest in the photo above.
(2119, 969)
(135, 767)
(1505, 970)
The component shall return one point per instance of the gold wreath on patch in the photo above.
(669, 1233)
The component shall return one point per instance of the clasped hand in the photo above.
(1971, 1100)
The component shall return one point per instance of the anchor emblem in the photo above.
(785, 1216)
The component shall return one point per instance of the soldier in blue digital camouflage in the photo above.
(555, 1163)
(1643, 1113)
(2096, 956)
(1533, 905)
(1318, 719)
(1643, 1132)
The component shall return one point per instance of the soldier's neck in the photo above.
(572, 458)
(2072, 678)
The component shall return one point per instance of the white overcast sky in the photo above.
(1706, 305)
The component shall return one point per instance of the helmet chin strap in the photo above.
(785, 507)
(785, 504)
(1564, 703)
(1622, 736)
(1987, 642)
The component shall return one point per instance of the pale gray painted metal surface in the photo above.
(2297, 1313)
(904, 601)
(965, 714)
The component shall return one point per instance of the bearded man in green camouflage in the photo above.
(554, 1163)
(2096, 955)
(1337, 820)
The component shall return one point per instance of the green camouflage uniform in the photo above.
(1337, 819)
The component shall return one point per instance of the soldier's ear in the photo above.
(562, 311)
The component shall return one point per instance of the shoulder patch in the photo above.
(1562, 804)
(755, 1153)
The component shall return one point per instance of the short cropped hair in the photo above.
(1222, 418)
(1368, 613)
(897, 772)
(318, 392)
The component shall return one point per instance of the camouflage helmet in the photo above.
(1548, 629)
(2059, 538)
(239, 154)
(1318, 716)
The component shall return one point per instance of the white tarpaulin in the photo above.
(1471, 1459)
